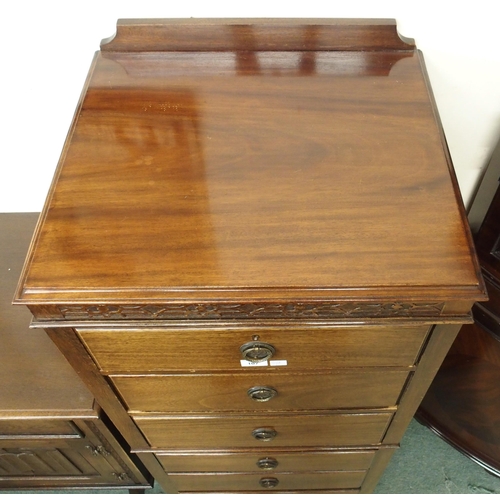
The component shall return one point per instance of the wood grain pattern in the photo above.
(462, 405)
(30, 427)
(23, 462)
(319, 390)
(247, 461)
(160, 350)
(440, 341)
(382, 459)
(251, 482)
(147, 35)
(286, 181)
(463, 402)
(217, 431)
(68, 343)
(49, 462)
(34, 376)
(52, 432)
(164, 193)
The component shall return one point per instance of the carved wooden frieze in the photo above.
(298, 310)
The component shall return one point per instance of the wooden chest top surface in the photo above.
(252, 173)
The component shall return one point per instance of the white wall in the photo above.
(48, 46)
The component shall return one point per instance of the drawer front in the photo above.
(251, 391)
(267, 461)
(147, 350)
(269, 430)
(268, 482)
(37, 429)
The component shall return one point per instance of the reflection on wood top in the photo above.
(265, 173)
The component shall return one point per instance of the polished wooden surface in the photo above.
(165, 192)
(52, 433)
(40, 379)
(213, 431)
(463, 402)
(25, 426)
(174, 349)
(148, 35)
(280, 181)
(90, 457)
(69, 344)
(285, 461)
(319, 389)
(438, 345)
(286, 482)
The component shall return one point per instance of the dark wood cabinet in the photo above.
(463, 402)
(88, 455)
(254, 252)
(53, 434)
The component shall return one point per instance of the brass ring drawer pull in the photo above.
(262, 393)
(257, 351)
(267, 463)
(264, 434)
(269, 482)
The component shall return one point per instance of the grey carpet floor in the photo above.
(424, 464)
(427, 464)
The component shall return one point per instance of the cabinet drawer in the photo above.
(269, 430)
(250, 391)
(268, 482)
(147, 350)
(38, 429)
(267, 461)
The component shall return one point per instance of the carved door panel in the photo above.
(89, 459)
(35, 459)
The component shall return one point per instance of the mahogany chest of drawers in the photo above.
(254, 251)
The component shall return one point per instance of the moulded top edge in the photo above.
(228, 295)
